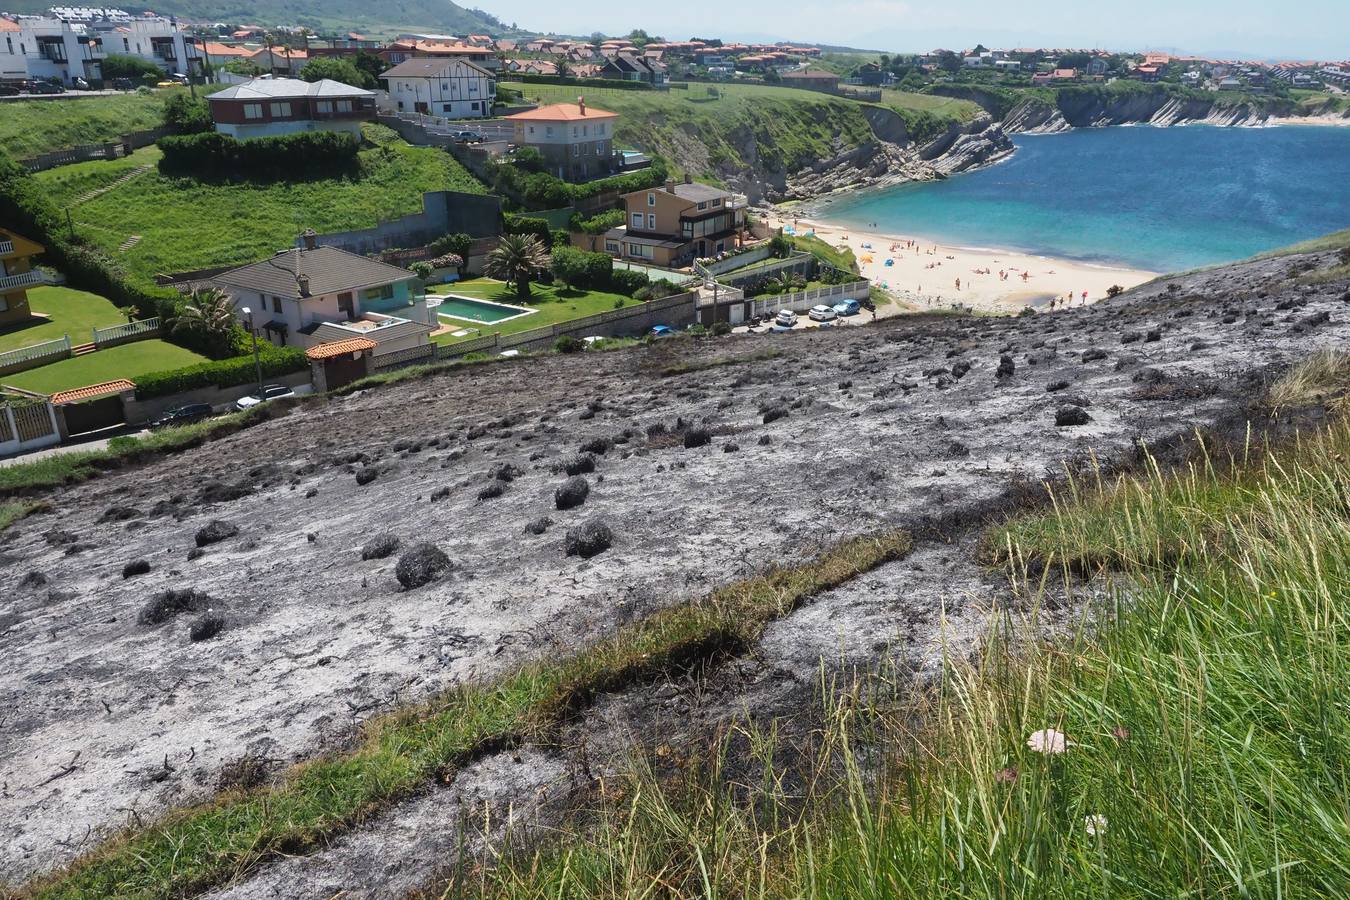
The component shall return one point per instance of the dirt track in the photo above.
(105, 719)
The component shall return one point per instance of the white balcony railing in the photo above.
(6, 248)
(23, 279)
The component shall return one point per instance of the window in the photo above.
(9, 44)
(637, 220)
(651, 221)
(576, 149)
(380, 293)
(281, 110)
(276, 305)
(640, 250)
(531, 129)
(445, 107)
(549, 131)
(325, 106)
(252, 110)
(474, 106)
(126, 45)
(703, 204)
(651, 199)
(344, 106)
(716, 203)
(612, 247)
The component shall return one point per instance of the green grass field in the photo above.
(124, 361)
(30, 127)
(186, 224)
(71, 312)
(554, 303)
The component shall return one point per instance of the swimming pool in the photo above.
(484, 311)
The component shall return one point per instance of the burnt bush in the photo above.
(170, 604)
(135, 567)
(215, 531)
(588, 539)
(421, 565)
(380, 546)
(572, 493)
(206, 628)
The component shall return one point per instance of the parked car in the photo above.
(468, 137)
(8, 90)
(661, 331)
(166, 84)
(786, 318)
(183, 415)
(43, 87)
(848, 307)
(822, 313)
(79, 84)
(123, 84)
(269, 392)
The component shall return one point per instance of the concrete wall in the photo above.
(139, 412)
(443, 212)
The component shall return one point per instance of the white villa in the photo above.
(449, 87)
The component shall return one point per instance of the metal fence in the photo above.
(410, 356)
(125, 334)
(800, 301)
(35, 355)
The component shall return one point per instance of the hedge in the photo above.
(219, 155)
(275, 361)
(612, 83)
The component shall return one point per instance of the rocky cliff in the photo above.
(1091, 109)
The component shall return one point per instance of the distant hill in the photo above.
(322, 15)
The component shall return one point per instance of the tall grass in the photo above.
(1204, 714)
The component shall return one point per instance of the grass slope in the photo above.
(68, 311)
(186, 224)
(1201, 724)
(124, 361)
(196, 848)
(30, 127)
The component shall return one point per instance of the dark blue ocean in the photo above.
(1156, 198)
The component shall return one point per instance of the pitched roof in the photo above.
(562, 112)
(329, 269)
(22, 245)
(9, 25)
(430, 67)
(692, 190)
(288, 89)
(92, 391)
(215, 49)
(339, 348)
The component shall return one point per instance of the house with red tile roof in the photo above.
(576, 141)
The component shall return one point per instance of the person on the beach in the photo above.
(1085, 296)
(958, 284)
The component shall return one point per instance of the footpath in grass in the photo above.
(1192, 741)
(63, 311)
(194, 849)
(552, 304)
(186, 224)
(124, 361)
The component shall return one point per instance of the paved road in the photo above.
(100, 443)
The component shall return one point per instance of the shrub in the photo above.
(529, 159)
(219, 155)
(119, 65)
(626, 281)
(423, 270)
(721, 329)
(184, 114)
(600, 222)
(569, 266)
(568, 344)
(780, 246)
(275, 361)
(513, 224)
(336, 69)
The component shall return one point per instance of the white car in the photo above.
(269, 392)
(786, 318)
(823, 313)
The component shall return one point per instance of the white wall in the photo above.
(533, 132)
(453, 94)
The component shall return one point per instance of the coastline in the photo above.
(922, 273)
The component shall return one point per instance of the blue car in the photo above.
(661, 331)
(847, 307)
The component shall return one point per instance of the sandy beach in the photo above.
(925, 274)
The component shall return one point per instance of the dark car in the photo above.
(123, 84)
(43, 87)
(8, 90)
(183, 415)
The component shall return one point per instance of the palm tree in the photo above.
(209, 312)
(515, 260)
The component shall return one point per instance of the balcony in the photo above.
(6, 248)
(23, 279)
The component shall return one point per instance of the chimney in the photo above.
(309, 238)
(670, 185)
(303, 281)
(581, 105)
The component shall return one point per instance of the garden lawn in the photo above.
(30, 127)
(554, 303)
(187, 224)
(72, 312)
(125, 361)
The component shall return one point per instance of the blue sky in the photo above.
(1308, 28)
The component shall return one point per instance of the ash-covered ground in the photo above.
(140, 668)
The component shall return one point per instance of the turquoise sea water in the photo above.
(1156, 198)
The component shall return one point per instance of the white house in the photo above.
(159, 41)
(50, 48)
(449, 87)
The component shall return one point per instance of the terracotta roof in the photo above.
(339, 348)
(563, 112)
(9, 25)
(92, 391)
(215, 49)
